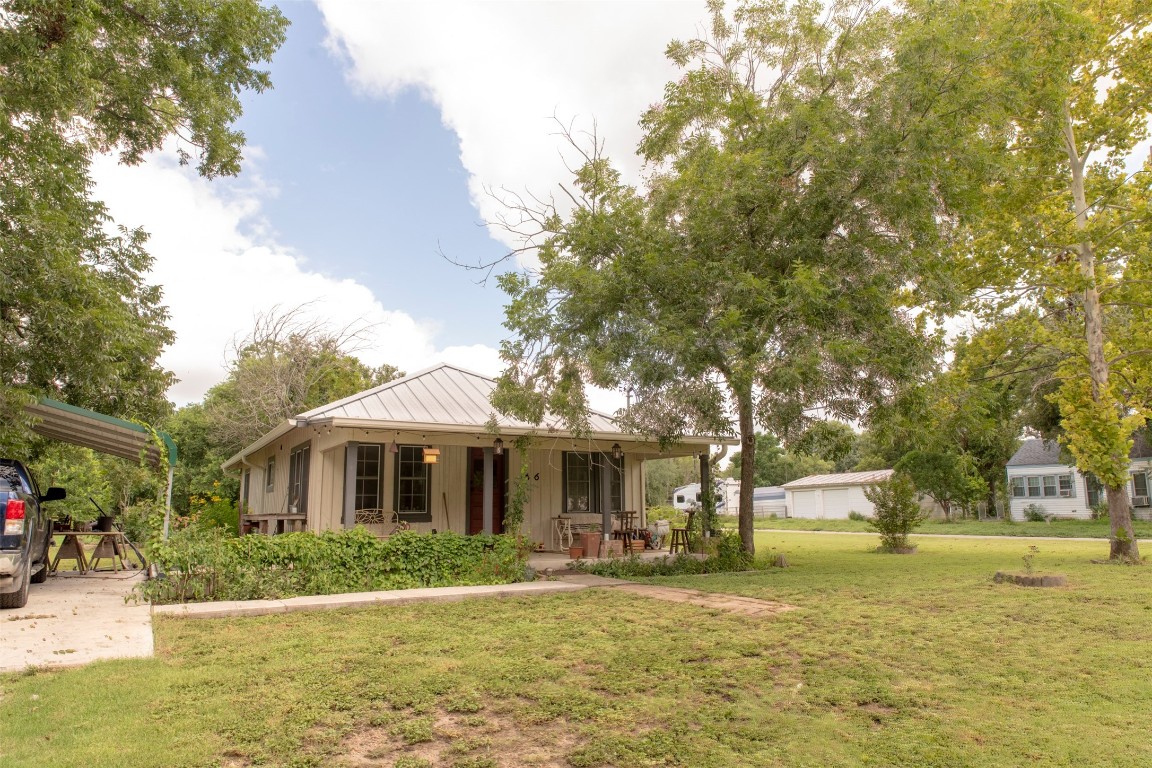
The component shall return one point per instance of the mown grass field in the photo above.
(1062, 528)
(909, 660)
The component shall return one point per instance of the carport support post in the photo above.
(168, 500)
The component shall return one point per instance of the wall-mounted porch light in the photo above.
(431, 455)
(498, 447)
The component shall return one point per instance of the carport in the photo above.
(107, 434)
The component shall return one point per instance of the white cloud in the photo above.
(498, 71)
(220, 268)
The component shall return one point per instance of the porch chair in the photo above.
(381, 522)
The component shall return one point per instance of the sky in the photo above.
(370, 168)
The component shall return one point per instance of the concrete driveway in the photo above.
(73, 619)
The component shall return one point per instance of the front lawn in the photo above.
(1097, 529)
(912, 660)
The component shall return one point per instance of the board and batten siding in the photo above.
(449, 478)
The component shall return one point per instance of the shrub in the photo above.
(728, 555)
(204, 563)
(1100, 510)
(1035, 513)
(854, 515)
(897, 511)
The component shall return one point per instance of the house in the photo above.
(831, 497)
(1040, 474)
(429, 449)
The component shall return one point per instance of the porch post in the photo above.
(350, 454)
(488, 471)
(605, 492)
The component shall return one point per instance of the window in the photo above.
(1049, 485)
(245, 482)
(270, 475)
(679, 498)
(1034, 486)
(1066, 488)
(1139, 484)
(369, 477)
(1018, 489)
(413, 493)
(594, 482)
(1094, 490)
(298, 480)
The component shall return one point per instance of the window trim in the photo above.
(1044, 486)
(270, 475)
(305, 470)
(412, 516)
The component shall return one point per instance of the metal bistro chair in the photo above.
(381, 522)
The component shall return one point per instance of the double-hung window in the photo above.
(413, 485)
(270, 475)
(369, 476)
(593, 482)
(1139, 484)
(1043, 486)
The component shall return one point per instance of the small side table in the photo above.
(679, 542)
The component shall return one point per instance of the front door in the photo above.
(476, 492)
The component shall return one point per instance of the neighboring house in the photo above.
(424, 448)
(832, 497)
(1038, 473)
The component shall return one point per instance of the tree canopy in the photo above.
(796, 202)
(78, 319)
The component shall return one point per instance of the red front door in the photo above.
(476, 492)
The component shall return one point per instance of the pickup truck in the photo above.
(26, 535)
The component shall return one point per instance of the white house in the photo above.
(429, 450)
(832, 497)
(1038, 474)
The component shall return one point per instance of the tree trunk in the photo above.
(747, 468)
(1122, 536)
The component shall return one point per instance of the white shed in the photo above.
(832, 497)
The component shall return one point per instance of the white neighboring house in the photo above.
(832, 497)
(1038, 474)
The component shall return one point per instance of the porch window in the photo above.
(1139, 484)
(1034, 486)
(1094, 490)
(369, 477)
(413, 480)
(298, 479)
(1018, 489)
(245, 482)
(593, 482)
(270, 475)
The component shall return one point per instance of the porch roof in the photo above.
(445, 399)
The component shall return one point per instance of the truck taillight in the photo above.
(14, 517)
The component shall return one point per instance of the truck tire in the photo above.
(19, 598)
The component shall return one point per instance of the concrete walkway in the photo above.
(72, 619)
(946, 535)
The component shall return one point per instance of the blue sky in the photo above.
(387, 125)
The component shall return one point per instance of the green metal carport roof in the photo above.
(107, 434)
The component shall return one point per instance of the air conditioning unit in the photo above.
(1065, 494)
(1140, 501)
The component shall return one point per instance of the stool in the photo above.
(679, 540)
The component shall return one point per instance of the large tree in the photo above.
(1065, 234)
(78, 320)
(791, 215)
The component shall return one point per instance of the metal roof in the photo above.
(443, 398)
(441, 395)
(106, 434)
(843, 478)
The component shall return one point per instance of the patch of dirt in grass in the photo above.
(463, 739)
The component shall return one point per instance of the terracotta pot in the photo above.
(575, 553)
(591, 544)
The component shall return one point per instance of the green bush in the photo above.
(728, 555)
(1035, 513)
(854, 515)
(204, 563)
(897, 511)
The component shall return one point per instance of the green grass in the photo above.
(1062, 528)
(909, 660)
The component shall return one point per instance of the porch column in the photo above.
(488, 471)
(350, 454)
(707, 495)
(605, 491)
